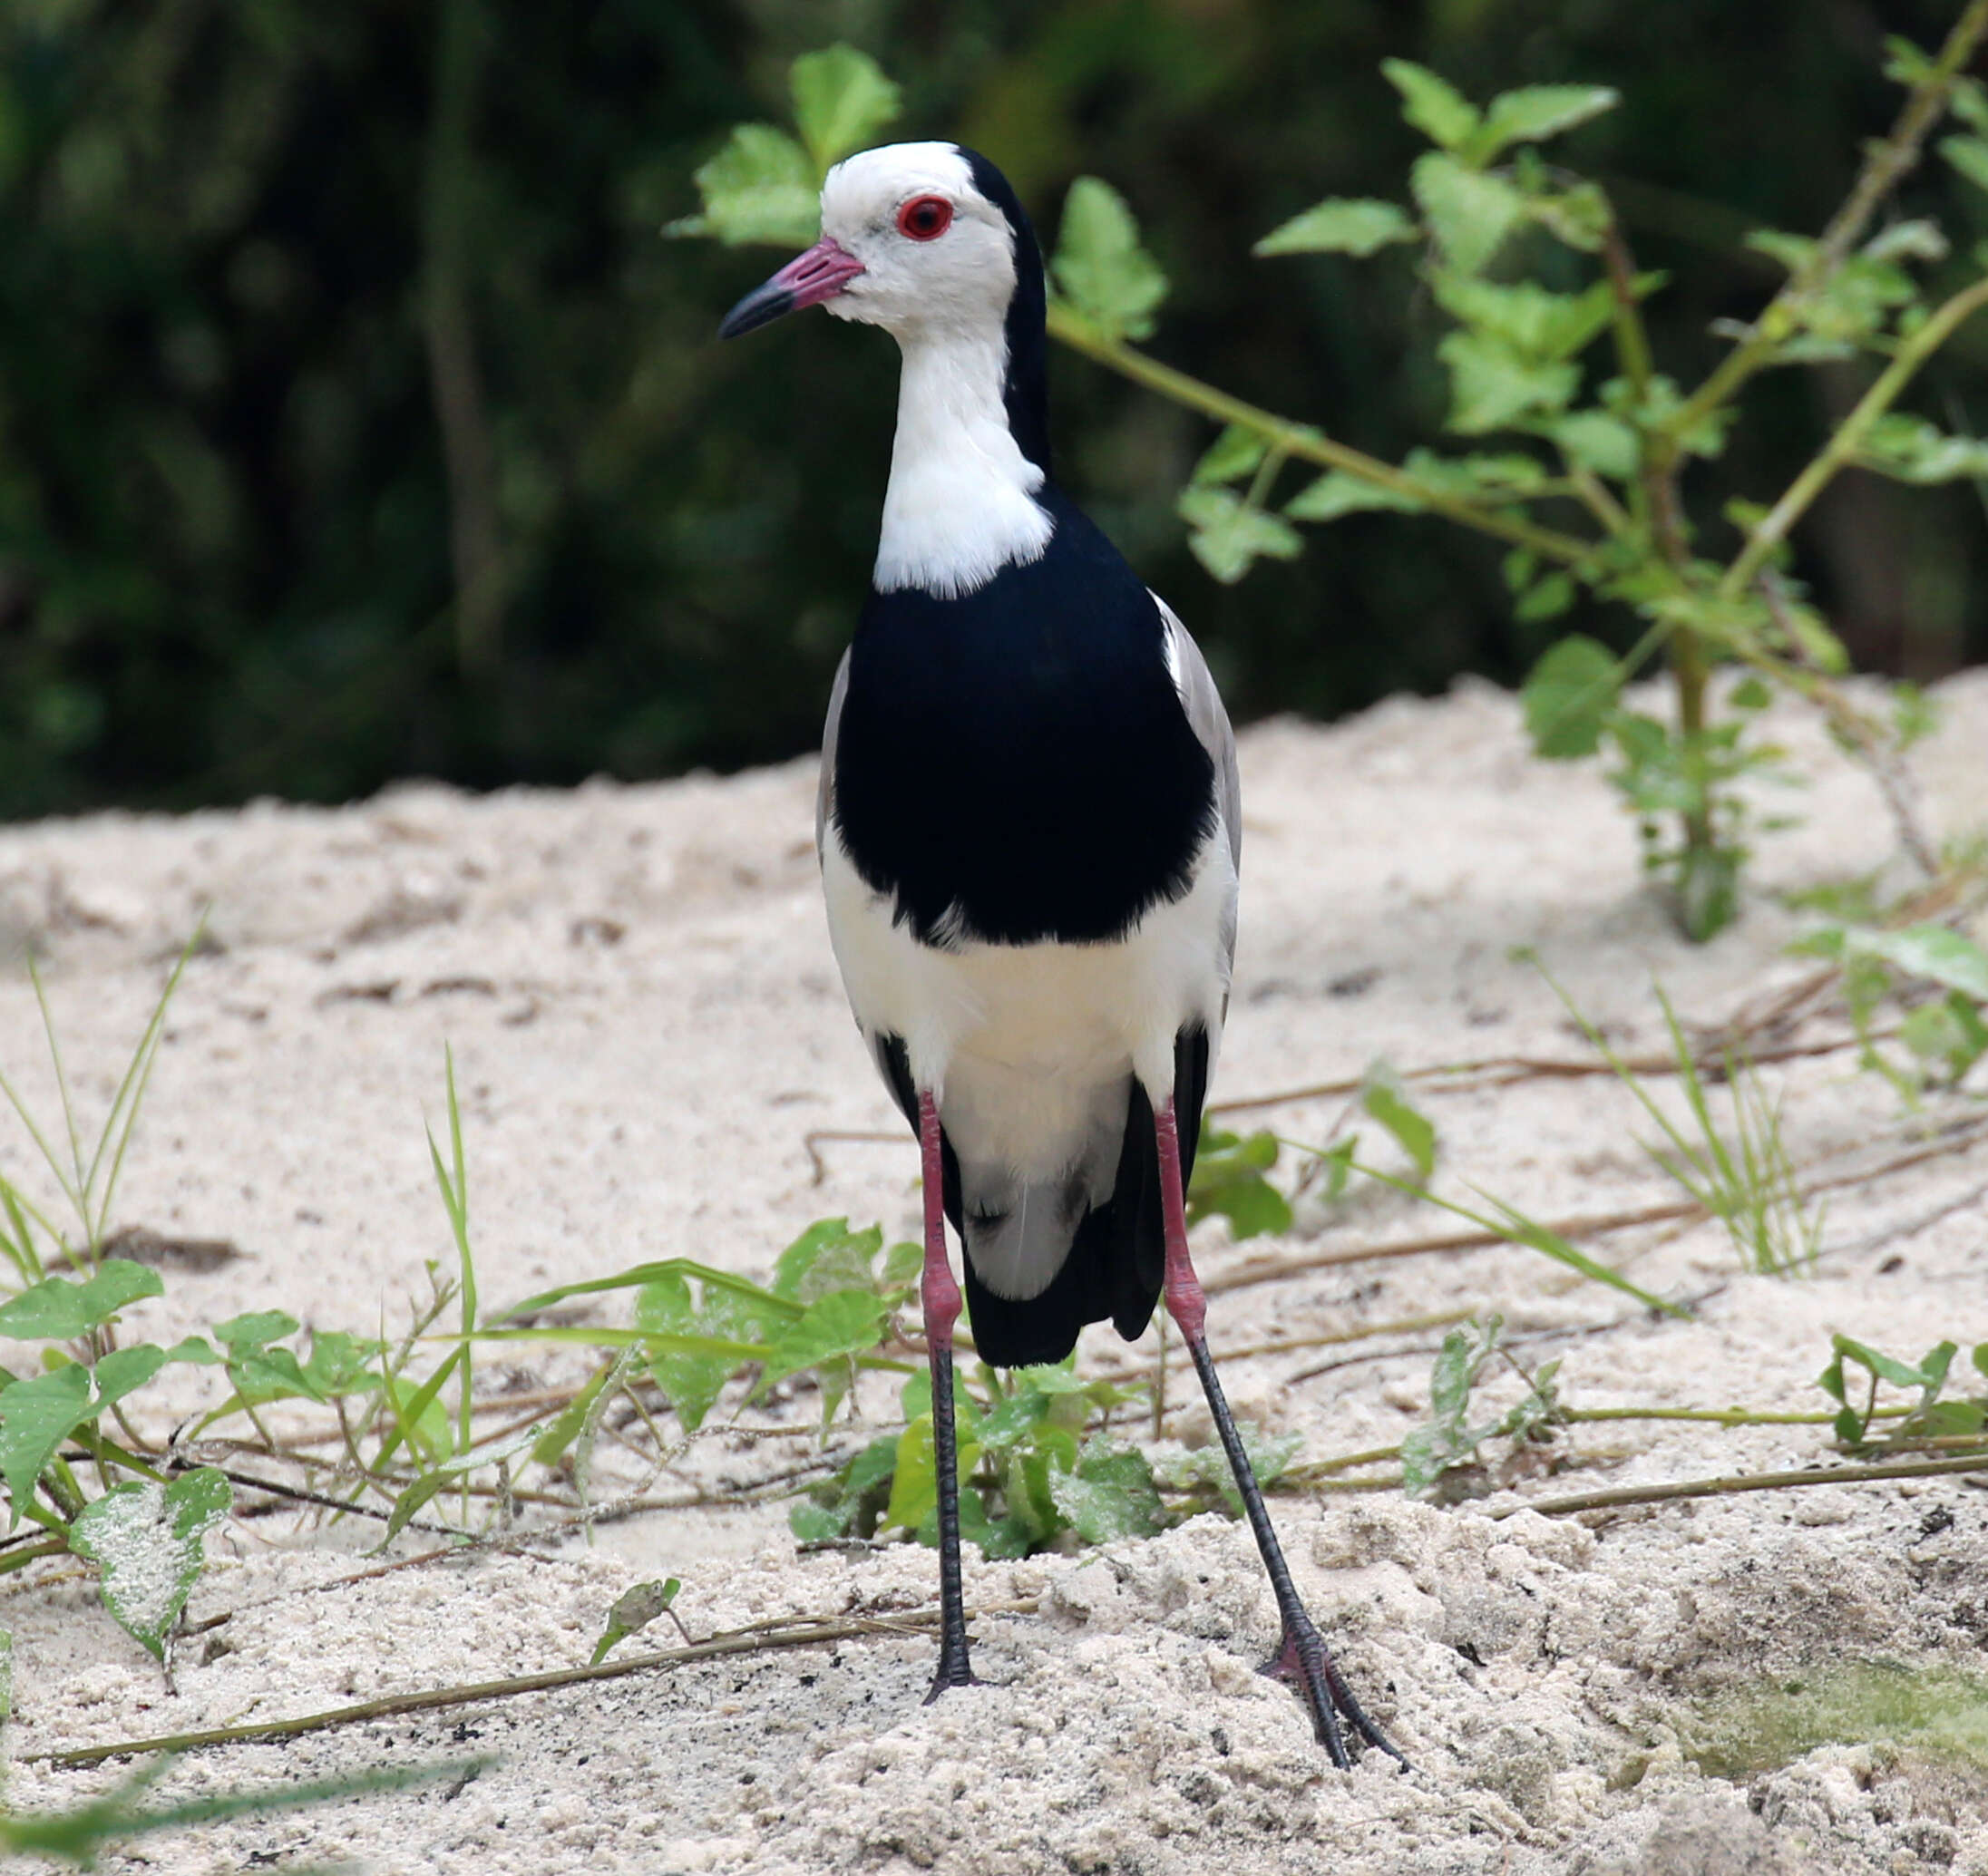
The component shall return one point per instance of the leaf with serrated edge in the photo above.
(759, 188)
(1230, 535)
(1492, 386)
(1100, 265)
(1236, 452)
(842, 99)
(1538, 112)
(847, 1322)
(1431, 104)
(1470, 214)
(1354, 225)
(1337, 494)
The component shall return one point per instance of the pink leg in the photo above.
(941, 1294)
(1301, 1656)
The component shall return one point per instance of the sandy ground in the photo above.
(638, 988)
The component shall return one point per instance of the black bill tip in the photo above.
(761, 307)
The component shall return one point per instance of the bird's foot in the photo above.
(954, 1671)
(1303, 1663)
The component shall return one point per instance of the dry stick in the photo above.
(788, 1632)
(1745, 1482)
(1457, 1077)
(1275, 1269)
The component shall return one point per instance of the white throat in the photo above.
(961, 501)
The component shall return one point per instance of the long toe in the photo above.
(1302, 1660)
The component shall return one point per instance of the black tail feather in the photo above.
(1118, 1258)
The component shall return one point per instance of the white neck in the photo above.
(961, 504)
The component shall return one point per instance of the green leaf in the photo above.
(1599, 441)
(148, 1540)
(1100, 265)
(251, 1331)
(341, 1364)
(1492, 385)
(692, 1381)
(1906, 64)
(845, 1323)
(1911, 449)
(1382, 1097)
(1525, 315)
(125, 1370)
(841, 101)
(1570, 698)
(410, 1503)
(61, 1308)
(759, 188)
(1969, 156)
(1886, 1367)
(1537, 111)
(1110, 1495)
(36, 1416)
(1229, 535)
(1580, 217)
(1932, 952)
(1432, 105)
(914, 1483)
(1237, 451)
(1337, 494)
(632, 1611)
(1949, 1034)
(1470, 214)
(1339, 227)
(1916, 240)
(1547, 599)
(828, 1256)
(1208, 1467)
(1228, 1182)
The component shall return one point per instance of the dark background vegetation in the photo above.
(356, 421)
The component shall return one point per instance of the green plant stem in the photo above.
(1883, 165)
(1291, 439)
(1750, 1482)
(1843, 445)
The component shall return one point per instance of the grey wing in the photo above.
(1209, 720)
(824, 790)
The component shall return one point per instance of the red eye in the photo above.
(925, 218)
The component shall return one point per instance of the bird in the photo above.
(1029, 829)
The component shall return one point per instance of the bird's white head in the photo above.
(928, 241)
(909, 242)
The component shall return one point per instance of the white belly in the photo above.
(1018, 1042)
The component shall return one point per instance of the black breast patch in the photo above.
(1014, 765)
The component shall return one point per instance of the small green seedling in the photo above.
(1741, 1171)
(1952, 1425)
(1945, 975)
(1031, 1468)
(633, 1610)
(1443, 1458)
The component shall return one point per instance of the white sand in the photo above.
(645, 1020)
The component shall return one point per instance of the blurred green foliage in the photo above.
(356, 421)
